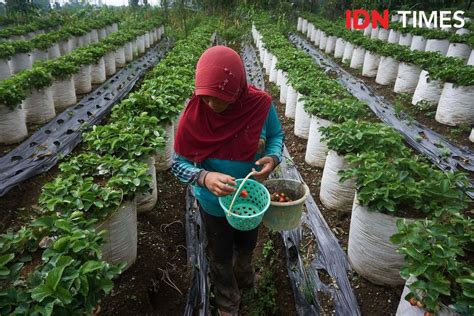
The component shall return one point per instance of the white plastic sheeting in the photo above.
(371, 64)
(302, 119)
(418, 43)
(370, 250)
(388, 69)
(121, 237)
(5, 71)
(164, 157)
(334, 194)
(456, 105)
(357, 58)
(19, 62)
(460, 50)
(407, 78)
(120, 60)
(322, 41)
(348, 51)
(82, 80)
(39, 106)
(339, 50)
(330, 45)
(64, 93)
(316, 150)
(290, 107)
(12, 125)
(405, 39)
(98, 75)
(427, 90)
(147, 200)
(393, 37)
(110, 67)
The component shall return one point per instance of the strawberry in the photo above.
(428, 314)
(412, 301)
(244, 194)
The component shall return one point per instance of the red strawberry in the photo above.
(244, 194)
(412, 301)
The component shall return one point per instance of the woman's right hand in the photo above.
(219, 183)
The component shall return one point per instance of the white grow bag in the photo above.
(316, 150)
(267, 64)
(418, 43)
(284, 88)
(146, 38)
(405, 39)
(339, 50)
(388, 70)
(64, 94)
(462, 31)
(317, 37)
(54, 52)
(141, 44)
(94, 35)
(471, 136)
(164, 157)
(39, 106)
(310, 30)
(128, 50)
(393, 37)
(456, 105)
(82, 80)
(121, 237)
(357, 58)
(39, 54)
(370, 251)
(302, 119)
(273, 69)
(348, 51)
(304, 27)
(290, 107)
(323, 41)
(135, 47)
(279, 78)
(313, 35)
(375, 33)
(299, 26)
(427, 90)
(146, 201)
(334, 194)
(383, 34)
(20, 62)
(437, 45)
(368, 31)
(102, 33)
(330, 45)
(12, 125)
(110, 68)
(371, 64)
(5, 71)
(98, 75)
(64, 47)
(460, 50)
(120, 61)
(407, 78)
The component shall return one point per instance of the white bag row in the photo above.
(23, 61)
(455, 104)
(40, 106)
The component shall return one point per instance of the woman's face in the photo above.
(217, 105)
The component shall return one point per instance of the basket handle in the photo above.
(238, 190)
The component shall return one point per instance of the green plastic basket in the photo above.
(247, 213)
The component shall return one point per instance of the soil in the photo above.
(373, 299)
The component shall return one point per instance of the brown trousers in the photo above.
(230, 260)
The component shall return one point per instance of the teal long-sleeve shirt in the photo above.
(188, 172)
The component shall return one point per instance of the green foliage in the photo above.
(437, 254)
(359, 136)
(393, 184)
(336, 110)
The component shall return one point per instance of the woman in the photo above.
(228, 129)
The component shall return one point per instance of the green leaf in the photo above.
(41, 292)
(90, 266)
(6, 258)
(53, 278)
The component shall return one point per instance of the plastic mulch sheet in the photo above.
(435, 147)
(59, 137)
(304, 274)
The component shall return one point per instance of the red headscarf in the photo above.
(234, 133)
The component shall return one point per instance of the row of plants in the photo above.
(9, 49)
(448, 69)
(444, 83)
(44, 22)
(55, 265)
(385, 177)
(69, 75)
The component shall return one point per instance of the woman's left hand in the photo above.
(268, 164)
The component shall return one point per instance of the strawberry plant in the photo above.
(437, 255)
(35, 78)
(11, 93)
(335, 110)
